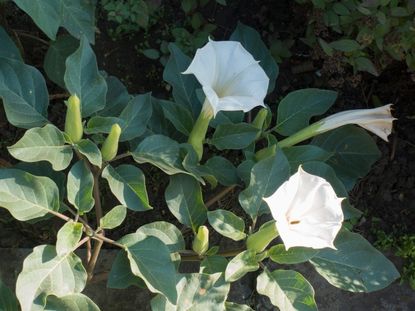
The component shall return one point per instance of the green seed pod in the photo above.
(201, 241)
(73, 121)
(109, 148)
(260, 239)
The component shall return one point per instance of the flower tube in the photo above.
(307, 211)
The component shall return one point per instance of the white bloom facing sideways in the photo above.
(231, 78)
(378, 120)
(307, 211)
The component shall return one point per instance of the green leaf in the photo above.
(74, 302)
(227, 224)
(8, 48)
(223, 170)
(120, 276)
(165, 232)
(113, 218)
(266, 176)
(151, 53)
(365, 64)
(128, 184)
(100, 124)
(80, 187)
(184, 199)
(178, 115)
(24, 94)
(252, 42)
(8, 301)
(287, 289)
(150, 260)
(345, 45)
(296, 109)
(294, 255)
(326, 47)
(76, 16)
(234, 136)
(58, 52)
(43, 144)
(355, 266)
(44, 273)
(240, 265)
(298, 155)
(90, 151)
(184, 86)
(213, 264)
(117, 97)
(83, 79)
(27, 196)
(68, 237)
(354, 152)
(231, 306)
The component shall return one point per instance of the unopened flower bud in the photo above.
(201, 241)
(109, 148)
(260, 239)
(73, 121)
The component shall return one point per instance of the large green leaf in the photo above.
(213, 264)
(117, 97)
(27, 196)
(128, 184)
(223, 170)
(298, 155)
(165, 232)
(120, 276)
(234, 136)
(287, 289)
(266, 176)
(227, 224)
(90, 151)
(8, 49)
(178, 115)
(150, 260)
(43, 144)
(44, 273)
(80, 187)
(8, 301)
(355, 266)
(184, 86)
(74, 302)
(83, 79)
(55, 58)
(251, 40)
(240, 265)
(77, 16)
(184, 199)
(292, 256)
(296, 109)
(354, 152)
(24, 94)
(113, 218)
(68, 237)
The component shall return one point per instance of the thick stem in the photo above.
(219, 196)
(304, 134)
(198, 133)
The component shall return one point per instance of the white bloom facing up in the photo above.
(231, 78)
(307, 211)
(378, 120)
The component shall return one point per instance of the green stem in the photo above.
(198, 133)
(304, 134)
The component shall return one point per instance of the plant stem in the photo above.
(28, 35)
(219, 196)
(59, 96)
(83, 241)
(102, 238)
(121, 156)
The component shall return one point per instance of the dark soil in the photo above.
(387, 193)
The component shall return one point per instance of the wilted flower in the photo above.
(377, 120)
(231, 78)
(307, 211)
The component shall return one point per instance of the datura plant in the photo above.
(289, 179)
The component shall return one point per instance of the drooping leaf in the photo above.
(150, 260)
(296, 109)
(128, 184)
(120, 276)
(184, 199)
(223, 170)
(43, 144)
(83, 79)
(114, 217)
(80, 187)
(292, 256)
(251, 40)
(8, 49)
(117, 97)
(44, 273)
(74, 302)
(55, 58)
(8, 301)
(184, 86)
(27, 196)
(240, 265)
(266, 176)
(354, 152)
(24, 94)
(355, 266)
(287, 289)
(227, 224)
(234, 136)
(179, 115)
(165, 232)
(90, 150)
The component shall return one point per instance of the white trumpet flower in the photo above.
(231, 78)
(307, 211)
